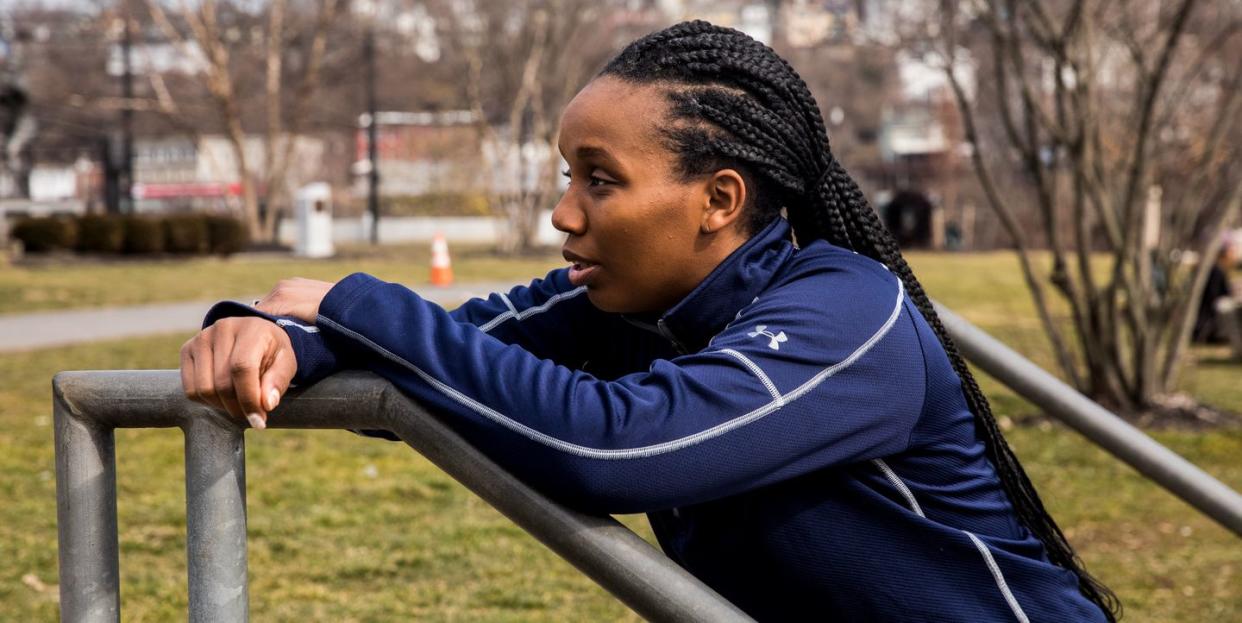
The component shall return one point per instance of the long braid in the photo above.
(736, 103)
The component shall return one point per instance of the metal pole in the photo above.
(620, 561)
(215, 505)
(603, 549)
(111, 186)
(1165, 467)
(86, 517)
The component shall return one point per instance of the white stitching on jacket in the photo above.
(643, 451)
(767, 382)
(901, 486)
(979, 544)
(504, 297)
(1000, 578)
(285, 322)
(531, 311)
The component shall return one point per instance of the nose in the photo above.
(568, 216)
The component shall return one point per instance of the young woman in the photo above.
(776, 393)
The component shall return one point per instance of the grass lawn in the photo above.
(351, 529)
(342, 528)
(47, 285)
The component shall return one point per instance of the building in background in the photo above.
(421, 153)
(187, 173)
(886, 108)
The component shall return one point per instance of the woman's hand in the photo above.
(241, 365)
(295, 297)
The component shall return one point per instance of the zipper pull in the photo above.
(668, 335)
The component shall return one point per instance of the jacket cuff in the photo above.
(315, 358)
(345, 293)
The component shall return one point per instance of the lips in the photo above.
(581, 270)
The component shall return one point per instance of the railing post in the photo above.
(612, 555)
(215, 505)
(86, 517)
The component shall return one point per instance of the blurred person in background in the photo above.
(1209, 324)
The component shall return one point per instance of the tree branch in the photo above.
(279, 167)
(271, 85)
(1063, 358)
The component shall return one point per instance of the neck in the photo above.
(713, 248)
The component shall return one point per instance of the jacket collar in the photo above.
(732, 285)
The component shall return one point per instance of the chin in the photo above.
(606, 301)
(602, 301)
(613, 302)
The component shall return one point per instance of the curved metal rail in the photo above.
(90, 405)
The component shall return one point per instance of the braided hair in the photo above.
(734, 103)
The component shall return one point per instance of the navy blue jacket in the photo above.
(793, 428)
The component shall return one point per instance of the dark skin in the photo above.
(653, 235)
(638, 236)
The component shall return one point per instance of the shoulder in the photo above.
(828, 300)
(837, 281)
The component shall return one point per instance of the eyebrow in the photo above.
(590, 151)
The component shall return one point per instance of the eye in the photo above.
(592, 180)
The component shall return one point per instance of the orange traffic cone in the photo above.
(441, 267)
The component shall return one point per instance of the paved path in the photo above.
(60, 328)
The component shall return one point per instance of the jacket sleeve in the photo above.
(844, 384)
(519, 317)
(315, 358)
(540, 317)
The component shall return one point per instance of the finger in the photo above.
(204, 384)
(187, 369)
(278, 374)
(250, 350)
(275, 302)
(222, 373)
(266, 305)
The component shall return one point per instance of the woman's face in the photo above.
(640, 238)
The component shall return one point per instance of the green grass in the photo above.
(988, 290)
(352, 529)
(47, 285)
(341, 528)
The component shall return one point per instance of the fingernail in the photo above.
(273, 398)
(256, 421)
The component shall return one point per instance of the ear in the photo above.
(725, 196)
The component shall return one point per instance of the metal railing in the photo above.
(89, 406)
(1158, 463)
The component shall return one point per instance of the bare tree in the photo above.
(525, 60)
(201, 27)
(1122, 119)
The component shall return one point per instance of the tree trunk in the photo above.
(1109, 140)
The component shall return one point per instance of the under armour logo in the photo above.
(775, 340)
